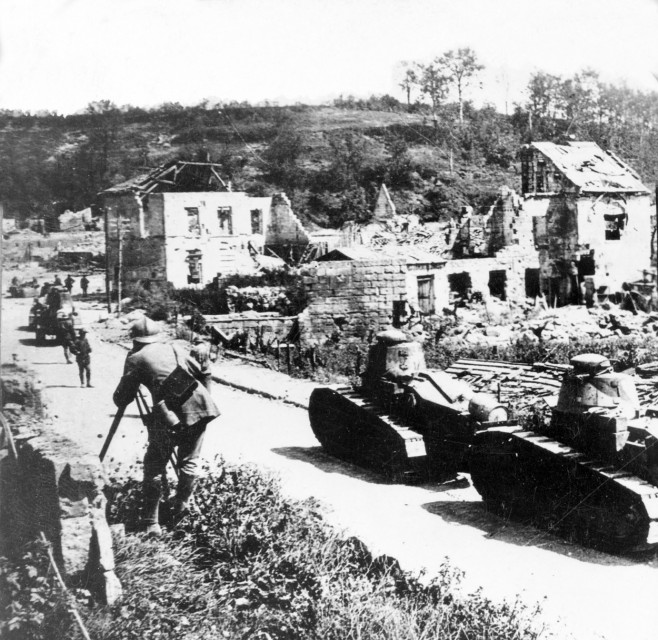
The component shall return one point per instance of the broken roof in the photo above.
(178, 175)
(359, 254)
(591, 168)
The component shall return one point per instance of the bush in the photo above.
(31, 605)
(251, 563)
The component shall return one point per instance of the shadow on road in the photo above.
(474, 514)
(62, 386)
(317, 457)
(327, 463)
(41, 364)
(32, 342)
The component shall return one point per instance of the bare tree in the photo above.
(459, 66)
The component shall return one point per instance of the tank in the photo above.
(590, 474)
(404, 421)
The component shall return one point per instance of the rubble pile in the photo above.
(481, 325)
(257, 299)
(523, 385)
(419, 237)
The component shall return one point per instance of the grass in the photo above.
(254, 564)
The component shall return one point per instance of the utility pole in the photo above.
(655, 230)
(120, 274)
(108, 295)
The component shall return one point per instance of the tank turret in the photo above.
(404, 420)
(591, 473)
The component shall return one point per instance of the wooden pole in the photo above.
(108, 295)
(120, 274)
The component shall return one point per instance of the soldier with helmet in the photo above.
(178, 420)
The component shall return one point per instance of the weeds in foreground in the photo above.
(253, 564)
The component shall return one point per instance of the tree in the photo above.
(282, 154)
(348, 152)
(410, 80)
(433, 82)
(544, 102)
(459, 67)
(102, 144)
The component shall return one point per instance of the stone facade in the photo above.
(351, 296)
(591, 218)
(188, 238)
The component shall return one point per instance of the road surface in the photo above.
(586, 593)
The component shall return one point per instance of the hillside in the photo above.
(330, 160)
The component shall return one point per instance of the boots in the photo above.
(180, 506)
(151, 494)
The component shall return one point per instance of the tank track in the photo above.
(526, 475)
(350, 426)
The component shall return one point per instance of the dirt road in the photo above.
(593, 595)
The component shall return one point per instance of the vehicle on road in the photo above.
(590, 474)
(405, 421)
(51, 313)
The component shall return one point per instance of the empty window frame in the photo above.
(193, 224)
(225, 217)
(426, 294)
(614, 225)
(257, 221)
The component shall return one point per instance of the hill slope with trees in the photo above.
(435, 150)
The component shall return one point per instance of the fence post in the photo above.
(288, 356)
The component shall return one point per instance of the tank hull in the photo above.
(525, 475)
(351, 426)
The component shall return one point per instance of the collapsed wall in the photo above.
(49, 485)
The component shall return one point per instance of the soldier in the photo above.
(58, 282)
(82, 351)
(84, 284)
(69, 282)
(178, 420)
(66, 337)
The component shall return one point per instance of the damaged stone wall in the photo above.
(284, 231)
(605, 236)
(352, 297)
(53, 486)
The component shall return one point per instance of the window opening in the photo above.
(193, 225)
(614, 225)
(256, 221)
(225, 217)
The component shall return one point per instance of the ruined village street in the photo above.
(594, 595)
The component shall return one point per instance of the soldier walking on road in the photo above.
(84, 284)
(182, 408)
(82, 351)
(69, 282)
(66, 337)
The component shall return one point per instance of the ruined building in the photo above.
(181, 224)
(583, 219)
(591, 217)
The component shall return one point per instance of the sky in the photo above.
(59, 55)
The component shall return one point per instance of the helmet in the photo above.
(145, 331)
